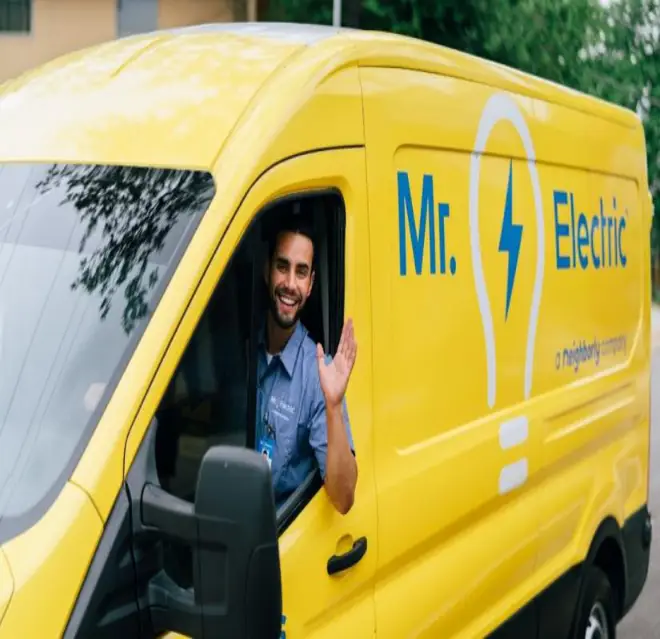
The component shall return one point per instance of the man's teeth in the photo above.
(287, 300)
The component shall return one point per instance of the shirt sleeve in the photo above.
(318, 424)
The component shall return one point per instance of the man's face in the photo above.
(290, 277)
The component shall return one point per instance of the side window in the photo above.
(212, 396)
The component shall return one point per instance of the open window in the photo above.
(211, 398)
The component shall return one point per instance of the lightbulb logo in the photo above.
(501, 108)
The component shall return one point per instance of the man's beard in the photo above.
(284, 322)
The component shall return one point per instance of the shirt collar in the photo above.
(289, 354)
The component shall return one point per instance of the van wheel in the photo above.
(597, 615)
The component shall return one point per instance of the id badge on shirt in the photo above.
(266, 449)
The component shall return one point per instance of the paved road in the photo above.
(643, 621)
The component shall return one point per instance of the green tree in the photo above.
(543, 37)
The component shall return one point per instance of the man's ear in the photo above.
(266, 270)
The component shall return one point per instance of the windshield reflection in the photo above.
(136, 209)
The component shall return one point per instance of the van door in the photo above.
(453, 457)
(204, 393)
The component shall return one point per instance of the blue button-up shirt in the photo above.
(290, 400)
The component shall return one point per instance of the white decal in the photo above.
(501, 107)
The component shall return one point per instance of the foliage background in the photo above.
(607, 48)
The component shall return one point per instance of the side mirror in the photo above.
(236, 566)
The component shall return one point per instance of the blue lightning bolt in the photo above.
(510, 239)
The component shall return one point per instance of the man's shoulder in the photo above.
(309, 366)
(308, 351)
(307, 342)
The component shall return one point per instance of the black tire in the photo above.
(597, 605)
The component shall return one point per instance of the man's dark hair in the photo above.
(293, 219)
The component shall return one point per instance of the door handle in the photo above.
(338, 563)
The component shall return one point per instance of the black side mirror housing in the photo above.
(238, 554)
(232, 530)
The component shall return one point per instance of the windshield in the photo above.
(84, 253)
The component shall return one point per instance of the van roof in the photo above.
(143, 99)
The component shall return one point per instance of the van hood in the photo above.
(6, 585)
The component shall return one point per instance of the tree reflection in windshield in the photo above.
(135, 208)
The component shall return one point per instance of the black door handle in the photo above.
(337, 563)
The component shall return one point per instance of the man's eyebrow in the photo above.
(286, 260)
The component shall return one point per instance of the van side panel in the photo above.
(457, 542)
(594, 400)
(508, 346)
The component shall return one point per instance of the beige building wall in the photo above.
(178, 13)
(58, 26)
(61, 26)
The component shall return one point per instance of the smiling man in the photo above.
(302, 417)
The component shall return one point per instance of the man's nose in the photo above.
(291, 280)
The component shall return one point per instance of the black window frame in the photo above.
(335, 237)
(23, 24)
(329, 220)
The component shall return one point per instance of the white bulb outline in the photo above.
(500, 107)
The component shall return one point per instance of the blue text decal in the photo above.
(590, 243)
(417, 234)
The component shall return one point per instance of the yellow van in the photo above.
(487, 232)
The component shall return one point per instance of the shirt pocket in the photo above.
(285, 433)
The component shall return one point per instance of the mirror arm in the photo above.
(166, 514)
(171, 606)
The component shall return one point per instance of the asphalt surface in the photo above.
(643, 621)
